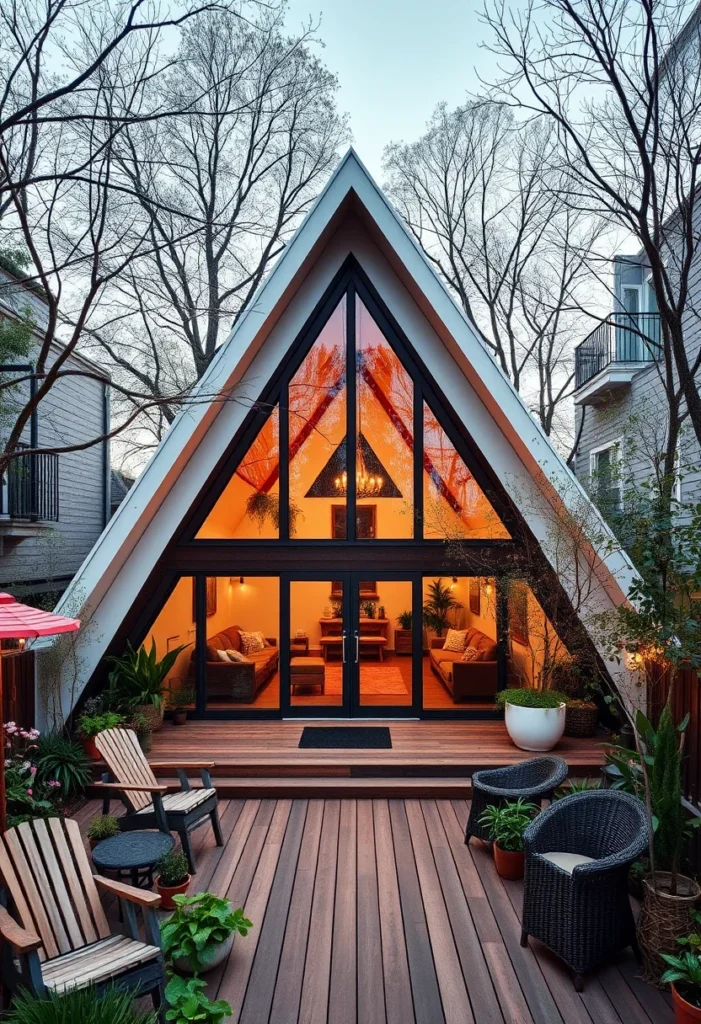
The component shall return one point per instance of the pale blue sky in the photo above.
(395, 60)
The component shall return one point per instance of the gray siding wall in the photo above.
(71, 413)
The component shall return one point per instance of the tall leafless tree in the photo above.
(218, 190)
(475, 191)
(619, 81)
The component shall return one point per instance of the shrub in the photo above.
(187, 1002)
(91, 725)
(527, 698)
(103, 827)
(172, 869)
(200, 923)
(61, 760)
(87, 1006)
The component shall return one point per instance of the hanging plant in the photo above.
(262, 508)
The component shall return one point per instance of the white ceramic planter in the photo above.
(535, 728)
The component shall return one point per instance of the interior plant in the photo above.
(438, 604)
(61, 760)
(404, 620)
(403, 634)
(103, 826)
(187, 1002)
(87, 1005)
(506, 823)
(172, 877)
(381, 612)
(534, 719)
(180, 700)
(200, 933)
(369, 609)
(137, 680)
(262, 507)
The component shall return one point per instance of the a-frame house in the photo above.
(352, 454)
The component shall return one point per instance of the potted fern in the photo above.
(403, 635)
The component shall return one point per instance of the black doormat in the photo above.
(346, 737)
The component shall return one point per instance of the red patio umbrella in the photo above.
(20, 622)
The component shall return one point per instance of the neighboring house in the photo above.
(120, 485)
(52, 507)
(279, 560)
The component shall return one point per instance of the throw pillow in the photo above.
(238, 658)
(470, 654)
(223, 656)
(252, 642)
(455, 640)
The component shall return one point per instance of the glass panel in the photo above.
(249, 504)
(467, 674)
(316, 643)
(242, 671)
(455, 507)
(175, 627)
(385, 675)
(384, 434)
(535, 648)
(317, 399)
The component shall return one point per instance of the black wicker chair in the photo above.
(534, 779)
(578, 906)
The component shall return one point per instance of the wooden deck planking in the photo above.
(375, 912)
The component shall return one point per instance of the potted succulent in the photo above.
(90, 725)
(200, 934)
(506, 823)
(534, 719)
(137, 680)
(104, 826)
(172, 877)
(684, 975)
(180, 700)
(403, 635)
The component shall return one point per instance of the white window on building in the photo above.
(605, 475)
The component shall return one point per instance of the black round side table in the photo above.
(134, 854)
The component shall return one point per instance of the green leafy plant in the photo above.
(182, 698)
(523, 697)
(507, 822)
(199, 924)
(187, 1002)
(369, 609)
(62, 760)
(104, 826)
(87, 1005)
(261, 507)
(137, 677)
(440, 601)
(577, 786)
(172, 869)
(684, 971)
(404, 620)
(91, 725)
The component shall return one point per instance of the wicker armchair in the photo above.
(575, 897)
(533, 779)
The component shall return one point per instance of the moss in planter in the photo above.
(527, 698)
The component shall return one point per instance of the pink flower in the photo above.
(33, 769)
(29, 792)
(54, 784)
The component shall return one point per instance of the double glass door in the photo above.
(350, 650)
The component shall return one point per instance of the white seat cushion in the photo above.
(96, 963)
(567, 861)
(182, 801)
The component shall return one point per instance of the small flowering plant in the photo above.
(25, 795)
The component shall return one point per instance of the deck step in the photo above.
(281, 787)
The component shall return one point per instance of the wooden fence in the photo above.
(686, 699)
(18, 687)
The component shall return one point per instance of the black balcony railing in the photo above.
(32, 487)
(625, 338)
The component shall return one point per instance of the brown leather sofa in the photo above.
(236, 681)
(466, 680)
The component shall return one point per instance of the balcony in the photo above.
(29, 494)
(614, 353)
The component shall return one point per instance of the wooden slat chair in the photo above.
(148, 803)
(56, 936)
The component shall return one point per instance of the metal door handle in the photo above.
(343, 646)
(357, 647)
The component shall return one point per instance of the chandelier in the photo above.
(367, 485)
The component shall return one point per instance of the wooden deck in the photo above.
(375, 912)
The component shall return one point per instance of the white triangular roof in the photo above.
(126, 552)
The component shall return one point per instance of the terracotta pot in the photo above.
(663, 918)
(508, 863)
(152, 714)
(166, 892)
(213, 956)
(684, 1013)
(582, 720)
(180, 717)
(90, 748)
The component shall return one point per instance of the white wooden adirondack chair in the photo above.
(56, 936)
(148, 804)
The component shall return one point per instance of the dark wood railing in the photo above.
(686, 699)
(18, 687)
(624, 338)
(32, 487)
